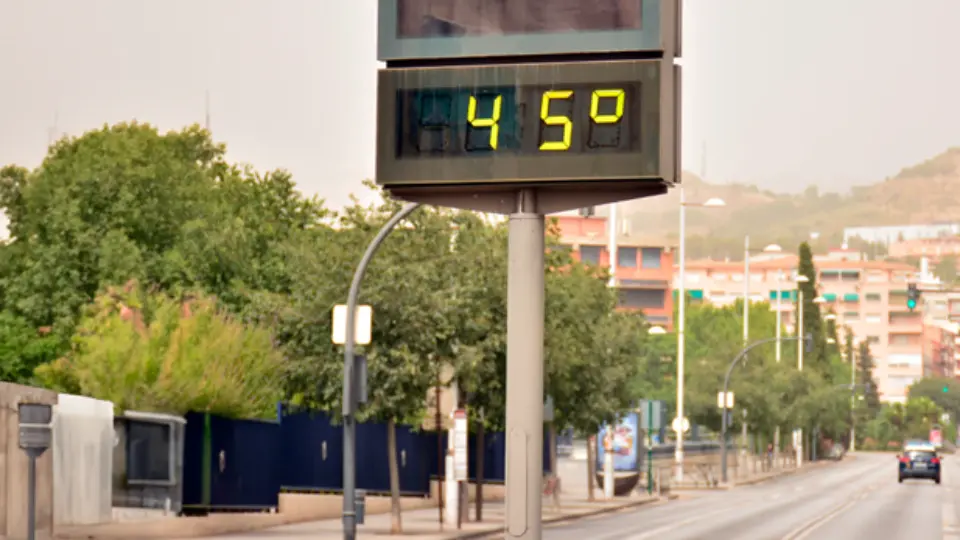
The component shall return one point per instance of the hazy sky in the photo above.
(782, 93)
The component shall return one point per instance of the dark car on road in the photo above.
(918, 461)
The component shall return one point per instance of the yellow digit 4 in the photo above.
(558, 120)
(493, 122)
(612, 93)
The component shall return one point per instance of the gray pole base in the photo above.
(525, 321)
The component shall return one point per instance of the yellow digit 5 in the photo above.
(493, 122)
(613, 93)
(558, 120)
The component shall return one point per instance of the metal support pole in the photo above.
(31, 496)
(525, 312)
(776, 433)
(681, 342)
(349, 400)
(726, 389)
(649, 447)
(799, 433)
(853, 399)
(746, 290)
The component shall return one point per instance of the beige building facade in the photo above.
(870, 297)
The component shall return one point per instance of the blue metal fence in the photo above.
(246, 463)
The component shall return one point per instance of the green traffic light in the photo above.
(911, 303)
(946, 389)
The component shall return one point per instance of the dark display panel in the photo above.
(527, 123)
(522, 120)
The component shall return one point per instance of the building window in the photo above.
(590, 254)
(873, 340)
(651, 257)
(851, 315)
(873, 297)
(642, 298)
(873, 318)
(902, 339)
(627, 257)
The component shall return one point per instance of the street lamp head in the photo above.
(714, 202)
(773, 248)
(831, 341)
(656, 331)
(819, 300)
(829, 316)
(802, 278)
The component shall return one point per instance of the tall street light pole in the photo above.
(681, 345)
(776, 433)
(612, 230)
(798, 434)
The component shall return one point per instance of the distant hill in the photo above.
(924, 193)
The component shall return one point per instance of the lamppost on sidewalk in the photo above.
(682, 298)
(808, 344)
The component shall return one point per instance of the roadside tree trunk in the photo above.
(591, 468)
(480, 452)
(396, 525)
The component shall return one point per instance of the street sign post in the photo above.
(527, 108)
(36, 435)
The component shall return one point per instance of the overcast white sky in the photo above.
(782, 93)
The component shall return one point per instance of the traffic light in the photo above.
(946, 389)
(913, 295)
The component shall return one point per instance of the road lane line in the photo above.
(949, 514)
(676, 525)
(809, 527)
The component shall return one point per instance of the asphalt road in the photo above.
(857, 498)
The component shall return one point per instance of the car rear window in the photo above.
(917, 455)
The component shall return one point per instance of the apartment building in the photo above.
(644, 266)
(868, 296)
(933, 249)
(941, 332)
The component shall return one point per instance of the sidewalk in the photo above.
(705, 478)
(423, 524)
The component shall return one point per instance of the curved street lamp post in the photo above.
(808, 344)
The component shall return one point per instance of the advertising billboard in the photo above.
(625, 444)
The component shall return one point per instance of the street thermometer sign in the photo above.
(525, 108)
(574, 98)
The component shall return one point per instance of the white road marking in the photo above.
(949, 514)
(676, 525)
(809, 527)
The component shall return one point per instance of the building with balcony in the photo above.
(868, 296)
(932, 249)
(644, 266)
(940, 348)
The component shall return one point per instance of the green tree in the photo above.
(127, 202)
(812, 319)
(943, 391)
(946, 269)
(866, 364)
(414, 303)
(23, 348)
(151, 352)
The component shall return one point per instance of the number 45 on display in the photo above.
(548, 120)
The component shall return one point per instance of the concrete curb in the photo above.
(570, 517)
(761, 479)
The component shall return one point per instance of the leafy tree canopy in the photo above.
(152, 352)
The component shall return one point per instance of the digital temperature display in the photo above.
(520, 120)
(532, 123)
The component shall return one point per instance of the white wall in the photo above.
(83, 440)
